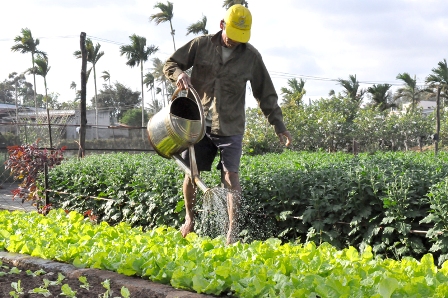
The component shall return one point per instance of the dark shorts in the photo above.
(230, 150)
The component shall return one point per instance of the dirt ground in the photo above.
(29, 282)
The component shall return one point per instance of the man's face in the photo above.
(226, 41)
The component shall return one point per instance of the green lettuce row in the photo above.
(259, 269)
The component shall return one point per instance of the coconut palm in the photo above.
(73, 86)
(438, 80)
(381, 96)
(106, 77)
(411, 91)
(137, 53)
(165, 15)
(352, 90)
(93, 55)
(41, 68)
(294, 95)
(228, 3)
(157, 71)
(198, 27)
(26, 44)
(149, 83)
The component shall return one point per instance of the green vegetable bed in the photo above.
(259, 269)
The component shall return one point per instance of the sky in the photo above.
(318, 41)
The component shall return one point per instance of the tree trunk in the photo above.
(34, 78)
(96, 106)
(143, 101)
(82, 132)
(437, 136)
(172, 35)
(48, 113)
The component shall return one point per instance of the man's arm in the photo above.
(264, 92)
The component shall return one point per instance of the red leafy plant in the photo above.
(26, 163)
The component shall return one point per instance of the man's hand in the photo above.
(183, 81)
(283, 135)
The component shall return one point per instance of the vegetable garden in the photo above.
(328, 225)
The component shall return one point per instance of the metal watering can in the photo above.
(178, 127)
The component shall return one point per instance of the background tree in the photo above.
(228, 3)
(149, 82)
(165, 15)
(106, 76)
(294, 94)
(352, 90)
(198, 27)
(118, 98)
(73, 86)
(26, 44)
(137, 53)
(41, 68)
(438, 80)
(6, 92)
(381, 96)
(93, 55)
(157, 72)
(132, 117)
(410, 92)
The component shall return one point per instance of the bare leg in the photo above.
(231, 181)
(189, 190)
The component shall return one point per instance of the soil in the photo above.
(29, 282)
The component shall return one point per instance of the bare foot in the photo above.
(187, 227)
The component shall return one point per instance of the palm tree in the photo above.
(228, 3)
(410, 92)
(137, 53)
(106, 77)
(352, 90)
(157, 72)
(165, 15)
(41, 69)
(198, 27)
(294, 95)
(93, 55)
(26, 44)
(381, 96)
(149, 83)
(73, 86)
(438, 80)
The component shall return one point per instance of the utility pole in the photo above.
(82, 104)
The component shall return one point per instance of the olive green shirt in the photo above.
(223, 85)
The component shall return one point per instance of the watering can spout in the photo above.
(195, 178)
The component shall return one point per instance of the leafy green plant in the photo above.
(67, 291)
(368, 199)
(204, 265)
(17, 289)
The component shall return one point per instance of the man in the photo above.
(222, 64)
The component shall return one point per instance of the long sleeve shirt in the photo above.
(222, 86)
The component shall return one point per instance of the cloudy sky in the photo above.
(318, 41)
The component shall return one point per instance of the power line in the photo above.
(274, 74)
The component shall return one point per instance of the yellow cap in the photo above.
(238, 23)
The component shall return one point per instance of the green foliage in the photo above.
(204, 265)
(368, 199)
(134, 117)
(333, 124)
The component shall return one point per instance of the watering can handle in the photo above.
(199, 104)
